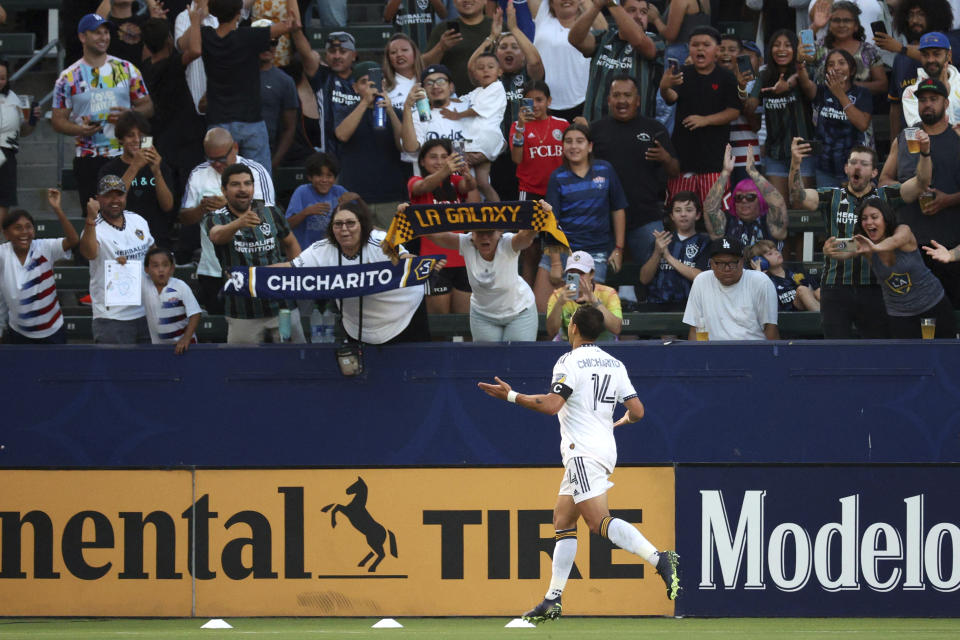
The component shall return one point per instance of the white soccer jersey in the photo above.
(132, 242)
(593, 383)
(29, 287)
(169, 310)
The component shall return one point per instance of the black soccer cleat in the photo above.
(668, 567)
(546, 610)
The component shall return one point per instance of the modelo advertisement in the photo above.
(344, 542)
(873, 540)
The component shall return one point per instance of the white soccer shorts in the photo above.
(584, 478)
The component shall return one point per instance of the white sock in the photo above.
(628, 537)
(564, 552)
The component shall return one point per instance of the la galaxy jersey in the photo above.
(592, 382)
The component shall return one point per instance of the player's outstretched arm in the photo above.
(634, 412)
(548, 403)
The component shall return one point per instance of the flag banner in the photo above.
(422, 219)
(311, 283)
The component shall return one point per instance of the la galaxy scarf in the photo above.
(311, 283)
(422, 219)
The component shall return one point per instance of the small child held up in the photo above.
(173, 314)
(482, 126)
(795, 292)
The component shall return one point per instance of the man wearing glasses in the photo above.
(203, 195)
(436, 82)
(730, 303)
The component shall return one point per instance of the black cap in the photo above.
(932, 84)
(725, 245)
(435, 68)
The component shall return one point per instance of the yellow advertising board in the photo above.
(323, 542)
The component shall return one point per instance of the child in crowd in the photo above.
(535, 142)
(446, 179)
(482, 127)
(678, 255)
(795, 292)
(311, 204)
(173, 314)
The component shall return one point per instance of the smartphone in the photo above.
(674, 65)
(572, 280)
(454, 25)
(744, 64)
(458, 146)
(816, 146)
(376, 77)
(146, 142)
(526, 104)
(845, 244)
(806, 37)
(878, 26)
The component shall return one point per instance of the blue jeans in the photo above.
(599, 264)
(640, 241)
(521, 327)
(252, 138)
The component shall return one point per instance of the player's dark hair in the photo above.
(317, 161)
(359, 209)
(622, 77)
(130, 120)
(874, 158)
(536, 85)
(225, 10)
(155, 32)
(155, 250)
(890, 220)
(11, 217)
(233, 170)
(589, 321)
(445, 192)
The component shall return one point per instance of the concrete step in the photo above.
(34, 200)
(37, 153)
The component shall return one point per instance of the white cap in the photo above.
(580, 261)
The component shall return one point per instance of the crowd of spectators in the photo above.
(669, 152)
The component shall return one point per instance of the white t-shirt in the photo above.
(386, 314)
(440, 127)
(130, 242)
(596, 383)
(10, 119)
(737, 312)
(29, 288)
(205, 181)
(483, 132)
(498, 289)
(398, 95)
(195, 74)
(168, 311)
(567, 70)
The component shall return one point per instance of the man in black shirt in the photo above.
(622, 139)
(707, 102)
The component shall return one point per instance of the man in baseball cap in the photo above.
(937, 64)
(580, 289)
(730, 303)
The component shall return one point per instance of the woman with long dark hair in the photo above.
(402, 65)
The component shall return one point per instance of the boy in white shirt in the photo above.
(173, 314)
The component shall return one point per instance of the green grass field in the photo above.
(483, 628)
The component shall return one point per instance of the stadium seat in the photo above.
(48, 228)
(368, 36)
(78, 277)
(17, 45)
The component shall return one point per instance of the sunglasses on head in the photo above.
(750, 196)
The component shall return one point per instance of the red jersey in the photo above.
(427, 246)
(542, 152)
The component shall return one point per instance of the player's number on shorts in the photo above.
(600, 387)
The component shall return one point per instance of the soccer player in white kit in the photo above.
(587, 385)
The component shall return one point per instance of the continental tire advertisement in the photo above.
(363, 542)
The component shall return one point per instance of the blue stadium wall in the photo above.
(804, 479)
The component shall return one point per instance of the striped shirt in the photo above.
(613, 56)
(204, 180)
(168, 310)
(584, 205)
(29, 288)
(838, 207)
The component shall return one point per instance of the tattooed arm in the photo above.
(777, 219)
(713, 217)
(800, 196)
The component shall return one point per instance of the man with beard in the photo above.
(436, 82)
(937, 58)
(110, 233)
(937, 218)
(250, 236)
(912, 19)
(849, 292)
(625, 47)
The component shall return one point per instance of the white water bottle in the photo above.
(328, 322)
(316, 325)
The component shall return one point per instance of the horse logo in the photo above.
(356, 512)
